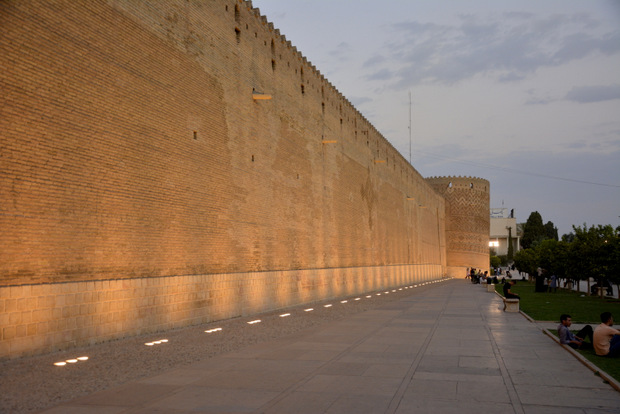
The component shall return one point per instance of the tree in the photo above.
(614, 255)
(551, 232)
(533, 231)
(526, 261)
(511, 252)
(594, 251)
(584, 254)
(546, 254)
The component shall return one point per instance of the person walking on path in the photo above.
(606, 339)
(575, 341)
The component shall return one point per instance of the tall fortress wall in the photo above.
(144, 187)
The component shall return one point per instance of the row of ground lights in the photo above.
(329, 305)
(253, 322)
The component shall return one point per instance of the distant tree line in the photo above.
(584, 253)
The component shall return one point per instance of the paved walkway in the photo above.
(447, 348)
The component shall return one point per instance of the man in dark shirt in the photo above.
(507, 293)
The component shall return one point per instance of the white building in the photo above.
(503, 227)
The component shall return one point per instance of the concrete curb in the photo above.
(612, 381)
(615, 384)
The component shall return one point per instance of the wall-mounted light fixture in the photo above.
(259, 95)
(333, 141)
(379, 161)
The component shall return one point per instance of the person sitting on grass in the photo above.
(507, 293)
(606, 339)
(570, 339)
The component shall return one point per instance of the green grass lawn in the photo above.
(582, 308)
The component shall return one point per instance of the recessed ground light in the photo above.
(308, 310)
(284, 315)
(213, 330)
(254, 322)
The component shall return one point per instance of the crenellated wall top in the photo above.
(461, 182)
(264, 20)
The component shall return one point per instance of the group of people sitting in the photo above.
(478, 277)
(604, 339)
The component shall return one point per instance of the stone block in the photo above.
(511, 305)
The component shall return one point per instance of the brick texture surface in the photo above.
(142, 187)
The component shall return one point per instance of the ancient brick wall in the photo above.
(143, 187)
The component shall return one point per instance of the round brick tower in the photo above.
(467, 222)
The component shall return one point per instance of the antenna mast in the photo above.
(409, 127)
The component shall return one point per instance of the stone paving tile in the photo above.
(387, 370)
(437, 406)
(359, 404)
(179, 376)
(301, 403)
(360, 385)
(214, 400)
(494, 391)
(537, 409)
(560, 396)
(443, 375)
(258, 380)
(478, 362)
(439, 389)
(344, 368)
(128, 395)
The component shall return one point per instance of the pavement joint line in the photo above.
(510, 387)
(398, 396)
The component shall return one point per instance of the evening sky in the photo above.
(523, 93)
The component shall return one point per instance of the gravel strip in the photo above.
(33, 383)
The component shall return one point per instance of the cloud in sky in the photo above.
(597, 93)
(507, 47)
